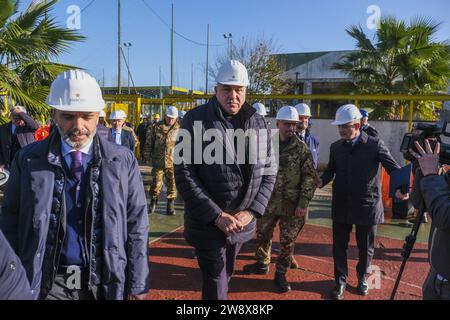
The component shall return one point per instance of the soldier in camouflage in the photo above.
(159, 146)
(288, 206)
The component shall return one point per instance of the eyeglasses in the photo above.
(346, 126)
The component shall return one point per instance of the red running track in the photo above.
(175, 275)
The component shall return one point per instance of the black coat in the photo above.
(126, 137)
(436, 194)
(371, 131)
(25, 136)
(357, 186)
(14, 284)
(209, 189)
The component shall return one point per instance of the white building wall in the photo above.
(391, 132)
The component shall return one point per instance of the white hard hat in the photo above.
(118, 115)
(75, 90)
(260, 109)
(182, 114)
(102, 114)
(287, 113)
(303, 109)
(233, 73)
(347, 113)
(172, 112)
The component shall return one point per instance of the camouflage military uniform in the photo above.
(159, 145)
(294, 187)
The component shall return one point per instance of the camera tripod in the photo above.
(410, 240)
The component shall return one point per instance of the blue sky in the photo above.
(295, 25)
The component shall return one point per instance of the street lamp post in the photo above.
(128, 45)
(229, 38)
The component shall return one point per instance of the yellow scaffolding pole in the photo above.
(402, 111)
(137, 112)
(318, 110)
(6, 102)
(411, 112)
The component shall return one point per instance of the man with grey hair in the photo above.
(354, 165)
(222, 199)
(15, 135)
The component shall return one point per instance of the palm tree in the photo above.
(402, 59)
(29, 41)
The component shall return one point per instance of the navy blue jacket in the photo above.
(313, 144)
(126, 138)
(357, 185)
(371, 131)
(209, 189)
(32, 219)
(13, 279)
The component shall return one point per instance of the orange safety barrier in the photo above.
(387, 200)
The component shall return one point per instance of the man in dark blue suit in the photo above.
(304, 133)
(117, 134)
(354, 168)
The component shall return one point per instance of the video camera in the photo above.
(432, 131)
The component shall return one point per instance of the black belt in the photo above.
(70, 269)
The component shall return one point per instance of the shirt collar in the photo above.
(66, 149)
(356, 138)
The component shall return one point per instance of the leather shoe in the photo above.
(363, 287)
(281, 282)
(170, 211)
(338, 292)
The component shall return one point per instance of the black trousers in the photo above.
(435, 288)
(217, 267)
(365, 240)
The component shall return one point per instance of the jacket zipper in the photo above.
(432, 244)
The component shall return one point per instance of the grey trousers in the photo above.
(61, 291)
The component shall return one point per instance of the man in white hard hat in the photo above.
(355, 168)
(102, 119)
(222, 198)
(102, 126)
(304, 133)
(160, 142)
(75, 210)
(15, 135)
(260, 109)
(288, 206)
(117, 134)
